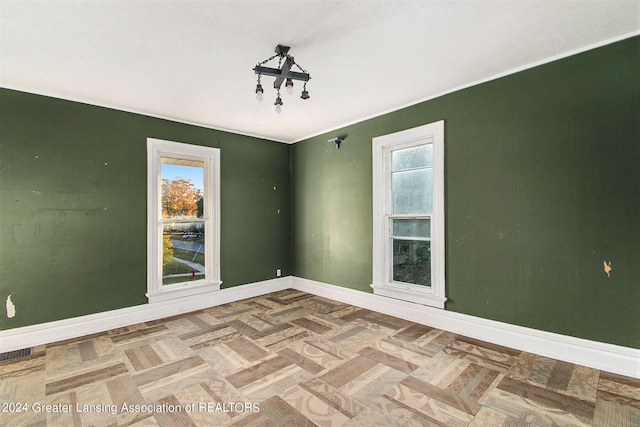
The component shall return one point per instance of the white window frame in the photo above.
(156, 149)
(382, 147)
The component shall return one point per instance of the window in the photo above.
(408, 215)
(183, 225)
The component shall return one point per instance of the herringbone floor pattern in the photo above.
(291, 358)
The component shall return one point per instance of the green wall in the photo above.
(73, 206)
(542, 184)
(542, 177)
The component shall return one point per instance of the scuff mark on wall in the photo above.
(607, 268)
(11, 308)
(461, 239)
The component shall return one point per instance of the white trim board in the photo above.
(332, 129)
(607, 357)
(474, 83)
(159, 150)
(60, 330)
(80, 100)
(383, 147)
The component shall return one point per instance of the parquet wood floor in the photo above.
(294, 359)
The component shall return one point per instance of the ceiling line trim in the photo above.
(352, 122)
(478, 82)
(141, 113)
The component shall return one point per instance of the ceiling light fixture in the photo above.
(289, 85)
(282, 73)
(259, 90)
(278, 103)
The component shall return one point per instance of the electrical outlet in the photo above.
(278, 273)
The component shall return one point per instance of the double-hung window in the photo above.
(183, 219)
(408, 215)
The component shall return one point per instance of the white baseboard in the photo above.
(607, 357)
(60, 330)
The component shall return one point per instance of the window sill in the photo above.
(181, 290)
(412, 293)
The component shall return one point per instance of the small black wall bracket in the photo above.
(337, 141)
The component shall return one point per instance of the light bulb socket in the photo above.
(278, 101)
(259, 88)
(289, 82)
(305, 94)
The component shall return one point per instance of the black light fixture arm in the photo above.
(281, 74)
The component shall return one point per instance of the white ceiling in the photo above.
(192, 61)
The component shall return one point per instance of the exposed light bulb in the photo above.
(278, 103)
(259, 91)
(259, 96)
(289, 90)
(289, 86)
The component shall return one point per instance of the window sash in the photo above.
(207, 256)
(419, 280)
(390, 219)
(431, 135)
(156, 151)
(390, 208)
(205, 220)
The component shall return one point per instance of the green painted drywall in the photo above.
(73, 206)
(542, 184)
(332, 210)
(541, 187)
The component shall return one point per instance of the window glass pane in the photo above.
(412, 261)
(182, 188)
(411, 227)
(411, 158)
(412, 191)
(182, 252)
